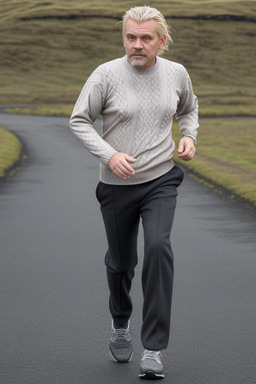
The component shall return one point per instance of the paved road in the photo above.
(54, 319)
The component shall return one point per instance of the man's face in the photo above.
(142, 43)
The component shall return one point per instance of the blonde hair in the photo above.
(145, 13)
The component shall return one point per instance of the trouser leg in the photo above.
(157, 276)
(121, 218)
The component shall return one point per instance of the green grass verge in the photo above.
(225, 153)
(10, 152)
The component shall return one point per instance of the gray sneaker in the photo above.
(120, 344)
(151, 366)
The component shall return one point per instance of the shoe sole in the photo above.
(121, 362)
(149, 375)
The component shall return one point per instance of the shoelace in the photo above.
(153, 355)
(121, 333)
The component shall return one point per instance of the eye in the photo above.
(146, 38)
(130, 37)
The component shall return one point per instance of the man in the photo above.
(137, 96)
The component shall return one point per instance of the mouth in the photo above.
(138, 55)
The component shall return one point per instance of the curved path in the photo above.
(54, 318)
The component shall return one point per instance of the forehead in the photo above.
(138, 29)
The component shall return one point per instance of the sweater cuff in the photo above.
(105, 159)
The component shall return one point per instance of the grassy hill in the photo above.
(48, 49)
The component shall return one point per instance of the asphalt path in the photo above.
(54, 319)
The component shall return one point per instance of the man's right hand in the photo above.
(119, 165)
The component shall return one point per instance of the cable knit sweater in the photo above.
(137, 108)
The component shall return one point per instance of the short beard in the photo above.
(137, 63)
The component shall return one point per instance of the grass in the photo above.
(225, 159)
(49, 58)
(48, 50)
(10, 147)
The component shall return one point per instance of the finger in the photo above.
(122, 171)
(188, 154)
(118, 172)
(130, 159)
(180, 148)
(184, 153)
(126, 168)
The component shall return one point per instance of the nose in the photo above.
(138, 44)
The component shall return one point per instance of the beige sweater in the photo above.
(137, 108)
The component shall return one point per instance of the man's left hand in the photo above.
(186, 149)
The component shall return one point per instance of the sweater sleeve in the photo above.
(88, 107)
(187, 111)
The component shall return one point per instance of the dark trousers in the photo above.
(122, 207)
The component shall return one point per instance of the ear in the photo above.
(162, 41)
